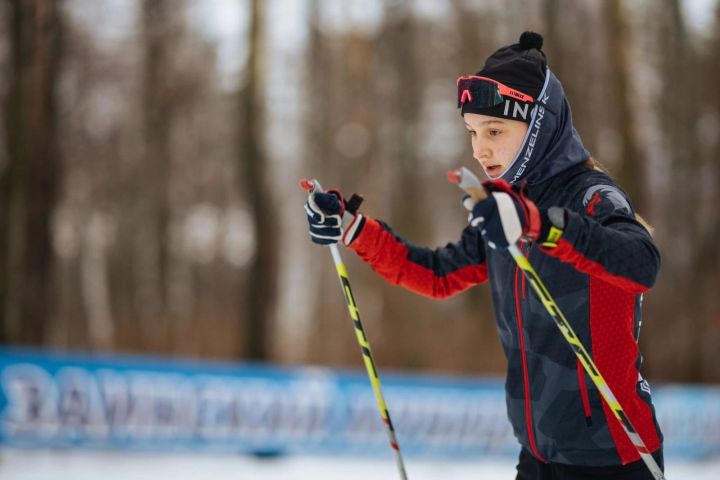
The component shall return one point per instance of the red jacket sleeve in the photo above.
(437, 273)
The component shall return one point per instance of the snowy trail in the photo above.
(18, 464)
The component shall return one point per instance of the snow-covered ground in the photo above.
(18, 464)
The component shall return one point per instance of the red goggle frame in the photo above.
(485, 92)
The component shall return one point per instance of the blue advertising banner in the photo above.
(52, 399)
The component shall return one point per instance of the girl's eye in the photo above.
(471, 132)
(494, 133)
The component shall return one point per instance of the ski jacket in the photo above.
(597, 274)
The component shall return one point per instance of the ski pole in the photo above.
(466, 180)
(313, 186)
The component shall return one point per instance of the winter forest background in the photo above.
(151, 150)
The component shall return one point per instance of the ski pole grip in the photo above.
(311, 186)
(465, 179)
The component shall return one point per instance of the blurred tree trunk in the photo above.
(553, 41)
(619, 47)
(473, 330)
(404, 312)
(320, 124)
(572, 44)
(405, 105)
(680, 127)
(475, 31)
(29, 181)
(709, 253)
(679, 337)
(159, 33)
(259, 297)
(705, 268)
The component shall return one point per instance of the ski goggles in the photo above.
(483, 92)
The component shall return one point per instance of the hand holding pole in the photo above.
(313, 186)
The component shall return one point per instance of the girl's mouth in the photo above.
(493, 170)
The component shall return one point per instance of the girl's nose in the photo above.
(480, 152)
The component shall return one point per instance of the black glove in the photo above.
(331, 219)
(507, 216)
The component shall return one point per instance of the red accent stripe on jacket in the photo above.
(583, 392)
(615, 353)
(565, 252)
(526, 376)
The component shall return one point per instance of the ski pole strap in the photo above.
(353, 204)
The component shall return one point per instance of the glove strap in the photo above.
(357, 220)
(353, 229)
(353, 204)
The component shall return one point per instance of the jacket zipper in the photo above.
(526, 376)
(584, 394)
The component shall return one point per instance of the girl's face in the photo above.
(495, 141)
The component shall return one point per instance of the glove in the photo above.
(331, 219)
(507, 215)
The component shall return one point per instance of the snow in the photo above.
(18, 464)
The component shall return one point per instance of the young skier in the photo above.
(579, 231)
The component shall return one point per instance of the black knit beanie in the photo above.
(520, 66)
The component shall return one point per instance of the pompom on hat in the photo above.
(521, 66)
